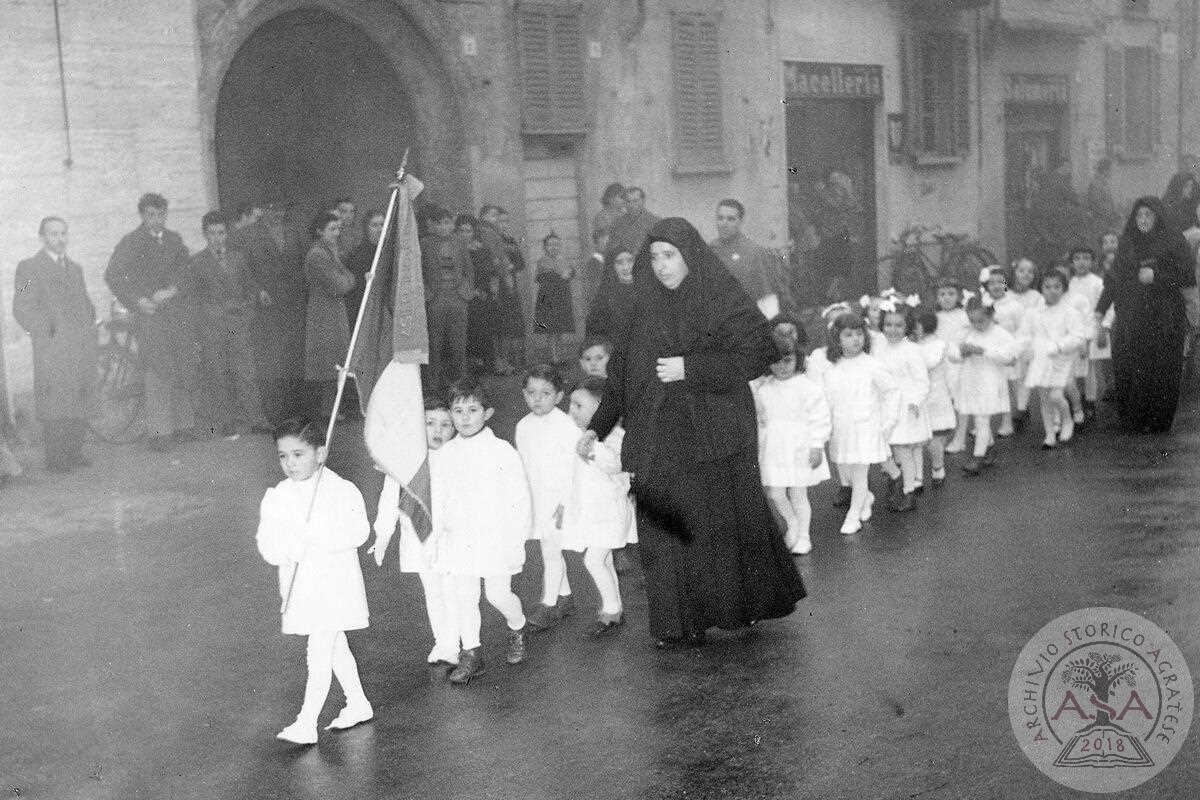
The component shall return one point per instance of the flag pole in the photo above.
(343, 370)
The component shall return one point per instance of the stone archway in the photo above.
(313, 99)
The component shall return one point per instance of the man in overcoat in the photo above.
(148, 273)
(51, 302)
(757, 269)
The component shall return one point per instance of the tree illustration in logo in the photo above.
(1103, 742)
(1099, 674)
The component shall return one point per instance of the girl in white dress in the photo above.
(1008, 311)
(904, 360)
(546, 439)
(952, 328)
(864, 401)
(1054, 335)
(1084, 294)
(939, 408)
(310, 526)
(793, 427)
(814, 367)
(481, 518)
(599, 516)
(985, 355)
(413, 557)
(1024, 287)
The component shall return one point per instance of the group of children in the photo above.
(897, 380)
(557, 485)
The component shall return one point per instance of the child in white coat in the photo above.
(413, 556)
(985, 355)
(599, 516)
(952, 328)
(546, 439)
(864, 401)
(793, 427)
(1084, 291)
(1007, 312)
(310, 526)
(1054, 335)
(1024, 288)
(481, 519)
(939, 407)
(906, 363)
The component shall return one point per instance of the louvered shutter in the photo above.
(961, 93)
(910, 83)
(550, 47)
(1114, 100)
(696, 57)
(1155, 94)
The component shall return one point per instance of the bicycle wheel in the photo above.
(119, 397)
(968, 262)
(912, 275)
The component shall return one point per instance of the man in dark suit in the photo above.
(51, 303)
(449, 277)
(148, 274)
(226, 294)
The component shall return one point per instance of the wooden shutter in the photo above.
(550, 48)
(961, 92)
(1114, 100)
(910, 90)
(696, 57)
(1155, 91)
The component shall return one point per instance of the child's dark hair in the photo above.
(790, 339)
(468, 388)
(905, 313)
(592, 385)
(1055, 273)
(1081, 248)
(435, 403)
(546, 372)
(303, 428)
(843, 322)
(948, 282)
(596, 341)
(976, 304)
(927, 319)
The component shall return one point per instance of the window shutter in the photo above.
(1114, 100)
(1155, 79)
(910, 85)
(962, 96)
(550, 48)
(696, 58)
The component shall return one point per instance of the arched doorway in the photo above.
(310, 109)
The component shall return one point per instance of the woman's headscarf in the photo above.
(703, 264)
(1182, 210)
(1161, 223)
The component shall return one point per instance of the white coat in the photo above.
(939, 408)
(327, 592)
(984, 378)
(599, 511)
(1052, 336)
(864, 402)
(952, 329)
(793, 420)
(906, 362)
(547, 448)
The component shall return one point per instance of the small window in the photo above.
(937, 94)
(1132, 101)
(699, 126)
(550, 46)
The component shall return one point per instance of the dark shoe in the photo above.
(516, 647)
(895, 491)
(908, 502)
(989, 456)
(621, 561)
(920, 490)
(842, 498)
(470, 664)
(543, 617)
(565, 605)
(605, 625)
(973, 466)
(160, 444)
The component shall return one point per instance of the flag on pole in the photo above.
(393, 344)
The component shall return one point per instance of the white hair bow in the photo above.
(967, 294)
(888, 305)
(864, 301)
(984, 275)
(830, 312)
(913, 300)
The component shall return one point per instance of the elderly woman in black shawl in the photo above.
(712, 553)
(1180, 200)
(1153, 264)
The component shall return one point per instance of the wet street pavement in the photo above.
(141, 654)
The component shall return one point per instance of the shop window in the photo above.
(550, 47)
(937, 95)
(1132, 101)
(696, 60)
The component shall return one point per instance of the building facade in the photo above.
(873, 114)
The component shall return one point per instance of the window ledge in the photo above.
(710, 166)
(931, 161)
(1134, 158)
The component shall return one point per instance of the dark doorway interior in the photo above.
(832, 221)
(1034, 140)
(310, 109)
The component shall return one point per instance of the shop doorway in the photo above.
(831, 198)
(1034, 153)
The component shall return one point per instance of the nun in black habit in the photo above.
(711, 550)
(1150, 321)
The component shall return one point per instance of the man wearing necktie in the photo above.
(226, 293)
(148, 274)
(51, 303)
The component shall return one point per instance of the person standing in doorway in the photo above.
(326, 328)
(755, 267)
(629, 231)
(51, 302)
(148, 274)
(449, 289)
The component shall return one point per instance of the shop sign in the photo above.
(1042, 89)
(812, 80)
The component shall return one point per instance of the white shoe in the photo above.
(956, 447)
(851, 526)
(1078, 417)
(298, 733)
(803, 546)
(349, 717)
(1067, 431)
(866, 512)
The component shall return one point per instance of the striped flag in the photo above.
(393, 343)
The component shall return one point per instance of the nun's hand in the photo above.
(670, 369)
(1146, 275)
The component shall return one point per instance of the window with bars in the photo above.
(937, 94)
(696, 59)
(551, 51)
(1132, 101)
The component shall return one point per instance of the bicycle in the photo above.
(920, 256)
(119, 393)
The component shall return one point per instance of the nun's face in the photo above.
(623, 266)
(668, 264)
(1145, 219)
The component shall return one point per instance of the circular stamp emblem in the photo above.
(1100, 700)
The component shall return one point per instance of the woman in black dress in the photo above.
(712, 553)
(1150, 324)
(1180, 200)
(613, 305)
